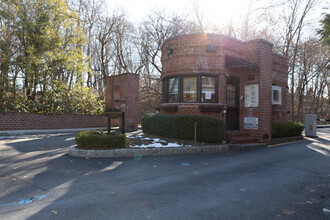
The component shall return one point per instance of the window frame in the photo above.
(165, 89)
(216, 88)
(166, 92)
(182, 88)
(279, 101)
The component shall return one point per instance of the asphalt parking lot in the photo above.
(38, 180)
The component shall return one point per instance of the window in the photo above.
(208, 93)
(193, 89)
(252, 95)
(173, 89)
(231, 91)
(189, 89)
(276, 95)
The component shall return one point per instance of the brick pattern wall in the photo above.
(122, 92)
(190, 109)
(25, 121)
(280, 78)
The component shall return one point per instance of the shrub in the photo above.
(287, 129)
(99, 140)
(151, 125)
(209, 129)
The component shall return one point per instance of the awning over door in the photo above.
(241, 64)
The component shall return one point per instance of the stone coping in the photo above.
(164, 151)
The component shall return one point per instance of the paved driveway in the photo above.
(290, 181)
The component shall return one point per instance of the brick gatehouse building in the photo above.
(241, 82)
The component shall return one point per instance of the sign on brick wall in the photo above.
(252, 95)
(250, 123)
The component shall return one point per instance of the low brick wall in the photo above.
(25, 121)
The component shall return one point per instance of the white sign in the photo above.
(251, 123)
(208, 95)
(252, 95)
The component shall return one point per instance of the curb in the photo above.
(166, 151)
(286, 139)
(137, 152)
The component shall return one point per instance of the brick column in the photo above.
(122, 92)
(265, 89)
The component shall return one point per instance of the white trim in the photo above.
(279, 89)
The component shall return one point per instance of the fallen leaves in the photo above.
(54, 212)
(288, 211)
(326, 210)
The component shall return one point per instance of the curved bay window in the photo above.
(190, 88)
(208, 92)
(173, 89)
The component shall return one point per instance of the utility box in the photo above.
(310, 125)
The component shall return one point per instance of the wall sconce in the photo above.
(169, 50)
(242, 98)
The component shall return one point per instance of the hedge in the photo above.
(99, 140)
(209, 129)
(288, 129)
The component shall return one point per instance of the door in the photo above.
(232, 97)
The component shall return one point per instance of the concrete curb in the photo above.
(286, 139)
(133, 152)
(46, 131)
(165, 151)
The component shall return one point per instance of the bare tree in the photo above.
(153, 31)
(295, 16)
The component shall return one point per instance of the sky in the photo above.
(213, 9)
(219, 12)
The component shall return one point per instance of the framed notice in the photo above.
(251, 123)
(252, 95)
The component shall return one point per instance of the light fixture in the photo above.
(169, 50)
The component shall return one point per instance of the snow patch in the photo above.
(156, 145)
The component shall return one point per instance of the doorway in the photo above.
(232, 97)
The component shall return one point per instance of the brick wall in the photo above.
(122, 92)
(280, 78)
(191, 109)
(25, 121)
